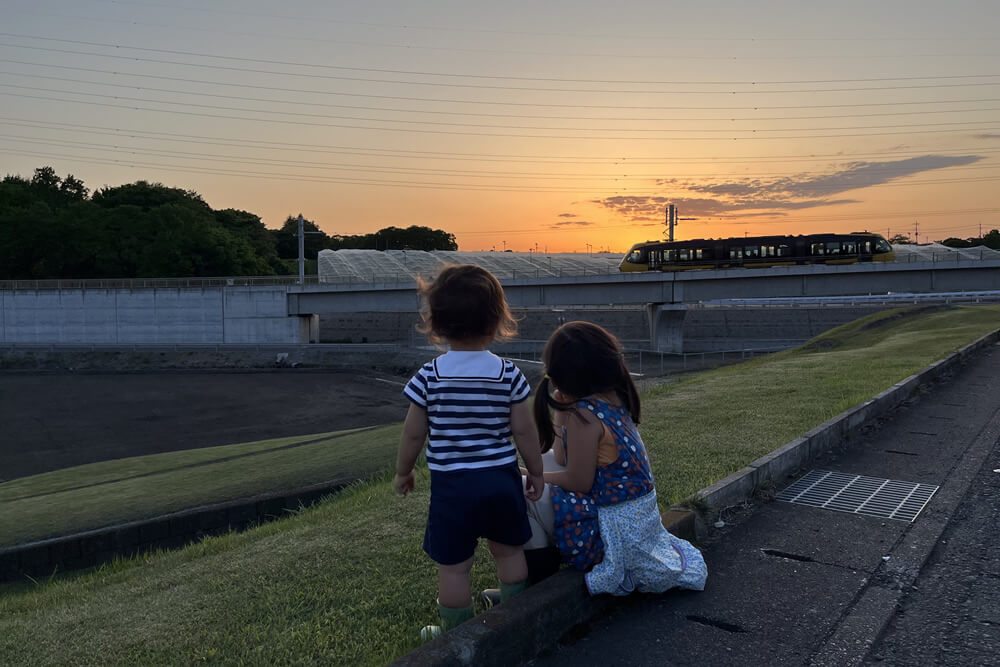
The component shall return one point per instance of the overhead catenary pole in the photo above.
(302, 252)
(671, 221)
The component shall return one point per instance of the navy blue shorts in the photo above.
(469, 504)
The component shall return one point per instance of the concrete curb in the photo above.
(93, 547)
(522, 627)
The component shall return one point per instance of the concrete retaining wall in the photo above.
(713, 329)
(72, 552)
(149, 315)
(533, 324)
(704, 329)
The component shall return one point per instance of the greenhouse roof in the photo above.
(337, 266)
(935, 252)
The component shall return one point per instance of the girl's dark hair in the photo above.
(581, 359)
(464, 301)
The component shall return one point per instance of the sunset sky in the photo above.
(562, 126)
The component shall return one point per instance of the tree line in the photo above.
(990, 240)
(52, 227)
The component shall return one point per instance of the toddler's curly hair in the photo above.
(464, 301)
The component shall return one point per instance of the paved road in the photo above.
(791, 584)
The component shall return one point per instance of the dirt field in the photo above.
(55, 420)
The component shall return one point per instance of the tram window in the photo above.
(817, 249)
(751, 251)
(867, 247)
(736, 253)
(698, 253)
(850, 247)
(670, 255)
(635, 257)
(784, 251)
(684, 254)
(883, 246)
(833, 248)
(767, 251)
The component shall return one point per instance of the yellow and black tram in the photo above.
(757, 251)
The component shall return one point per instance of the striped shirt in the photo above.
(467, 395)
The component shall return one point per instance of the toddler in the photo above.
(468, 403)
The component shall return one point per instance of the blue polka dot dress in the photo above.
(615, 531)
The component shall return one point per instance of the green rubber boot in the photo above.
(507, 591)
(450, 618)
(491, 597)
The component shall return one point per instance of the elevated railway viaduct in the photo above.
(255, 311)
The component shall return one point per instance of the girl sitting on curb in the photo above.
(606, 520)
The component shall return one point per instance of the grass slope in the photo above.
(111, 492)
(346, 582)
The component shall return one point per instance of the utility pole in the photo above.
(302, 250)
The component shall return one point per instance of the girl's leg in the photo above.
(453, 585)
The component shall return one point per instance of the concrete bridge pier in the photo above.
(308, 330)
(666, 326)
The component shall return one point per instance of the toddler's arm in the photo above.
(522, 425)
(414, 436)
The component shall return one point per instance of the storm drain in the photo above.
(872, 496)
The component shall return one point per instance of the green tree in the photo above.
(953, 242)
(250, 227)
(148, 196)
(73, 188)
(287, 239)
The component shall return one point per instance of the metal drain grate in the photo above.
(873, 496)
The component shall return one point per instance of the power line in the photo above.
(500, 103)
(465, 29)
(452, 113)
(490, 76)
(452, 186)
(303, 114)
(548, 89)
(215, 157)
(675, 55)
(439, 155)
(454, 132)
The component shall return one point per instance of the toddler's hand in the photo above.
(403, 483)
(533, 486)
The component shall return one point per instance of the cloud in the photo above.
(987, 136)
(748, 197)
(570, 223)
(567, 215)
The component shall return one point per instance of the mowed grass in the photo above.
(346, 582)
(111, 492)
(701, 430)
